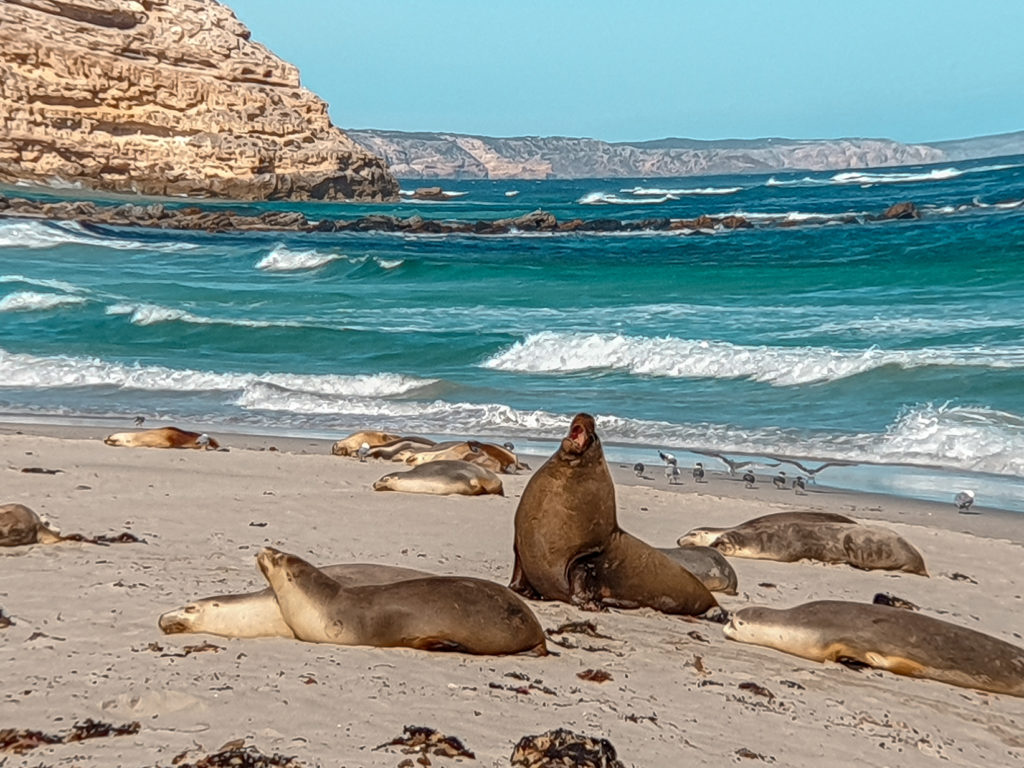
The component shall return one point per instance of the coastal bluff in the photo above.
(166, 97)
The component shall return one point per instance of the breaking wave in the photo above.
(282, 259)
(657, 192)
(31, 301)
(33, 234)
(604, 198)
(557, 352)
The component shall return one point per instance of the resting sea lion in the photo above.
(391, 451)
(707, 564)
(443, 478)
(881, 636)
(569, 547)
(256, 614)
(464, 451)
(702, 537)
(437, 613)
(164, 437)
(348, 446)
(19, 525)
(869, 547)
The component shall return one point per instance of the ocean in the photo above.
(893, 347)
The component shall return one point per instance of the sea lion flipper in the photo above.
(520, 584)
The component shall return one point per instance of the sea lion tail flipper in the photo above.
(717, 614)
(47, 535)
(519, 583)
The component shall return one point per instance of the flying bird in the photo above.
(698, 472)
(668, 458)
(964, 500)
(811, 472)
(732, 464)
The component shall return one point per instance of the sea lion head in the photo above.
(384, 483)
(700, 537)
(118, 438)
(753, 625)
(582, 435)
(181, 619)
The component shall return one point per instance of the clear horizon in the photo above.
(914, 71)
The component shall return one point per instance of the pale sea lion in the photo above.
(164, 437)
(884, 637)
(869, 547)
(703, 536)
(391, 451)
(348, 446)
(19, 526)
(464, 451)
(569, 547)
(256, 614)
(437, 613)
(443, 478)
(707, 564)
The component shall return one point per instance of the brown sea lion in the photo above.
(707, 564)
(163, 437)
(884, 637)
(443, 478)
(463, 451)
(869, 547)
(396, 448)
(703, 536)
(256, 614)
(437, 613)
(19, 525)
(569, 547)
(348, 446)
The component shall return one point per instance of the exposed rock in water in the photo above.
(165, 97)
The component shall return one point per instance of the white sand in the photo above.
(93, 613)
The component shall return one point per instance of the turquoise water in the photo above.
(893, 343)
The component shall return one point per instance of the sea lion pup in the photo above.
(869, 547)
(703, 536)
(163, 437)
(19, 525)
(256, 614)
(884, 637)
(436, 613)
(569, 547)
(443, 478)
(707, 564)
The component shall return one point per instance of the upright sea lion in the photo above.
(19, 525)
(437, 613)
(869, 547)
(884, 637)
(703, 536)
(256, 614)
(164, 437)
(707, 564)
(443, 478)
(569, 547)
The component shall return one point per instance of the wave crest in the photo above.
(282, 259)
(31, 301)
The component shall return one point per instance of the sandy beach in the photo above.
(84, 642)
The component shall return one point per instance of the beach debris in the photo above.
(957, 576)
(884, 598)
(595, 675)
(20, 741)
(235, 754)
(963, 500)
(757, 690)
(698, 664)
(418, 738)
(588, 628)
(562, 747)
(693, 634)
(41, 471)
(524, 690)
(188, 650)
(5, 620)
(792, 684)
(751, 755)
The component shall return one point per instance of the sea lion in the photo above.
(707, 564)
(569, 547)
(443, 478)
(405, 445)
(464, 451)
(256, 614)
(19, 525)
(703, 536)
(869, 547)
(437, 613)
(348, 446)
(884, 637)
(163, 437)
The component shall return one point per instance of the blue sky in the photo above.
(907, 69)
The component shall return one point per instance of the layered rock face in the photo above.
(453, 156)
(165, 97)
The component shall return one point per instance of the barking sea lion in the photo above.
(884, 637)
(437, 613)
(569, 547)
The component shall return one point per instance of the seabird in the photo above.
(139, 420)
(812, 472)
(638, 469)
(963, 501)
(363, 450)
(698, 472)
(203, 440)
(779, 481)
(508, 446)
(799, 486)
(731, 464)
(749, 479)
(673, 473)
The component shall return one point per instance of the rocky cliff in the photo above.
(165, 97)
(455, 156)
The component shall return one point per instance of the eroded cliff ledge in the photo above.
(165, 97)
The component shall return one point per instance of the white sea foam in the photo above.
(557, 352)
(31, 301)
(57, 285)
(888, 177)
(153, 314)
(659, 192)
(22, 370)
(282, 259)
(35, 234)
(604, 198)
(389, 263)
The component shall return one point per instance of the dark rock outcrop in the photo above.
(165, 97)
